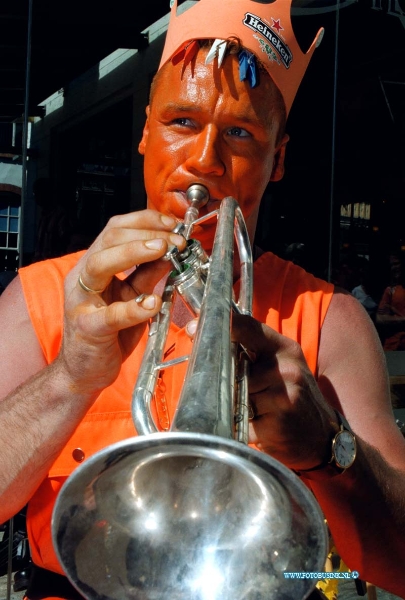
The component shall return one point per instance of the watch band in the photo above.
(321, 472)
(328, 468)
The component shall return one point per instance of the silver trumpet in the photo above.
(194, 513)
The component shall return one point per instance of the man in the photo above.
(68, 360)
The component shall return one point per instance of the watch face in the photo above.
(344, 449)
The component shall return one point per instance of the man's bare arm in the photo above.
(17, 335)
(364, 506)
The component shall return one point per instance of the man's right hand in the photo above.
(101, 329)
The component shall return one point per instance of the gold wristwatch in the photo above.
(343, 455)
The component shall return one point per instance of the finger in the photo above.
(100, 266)
(108, 319)
(144, 219)
(117, 236)
(268, 402)
(136, 221)
(258, 337)
(249, 332)
(267, 375)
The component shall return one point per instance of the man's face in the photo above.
(208, 127)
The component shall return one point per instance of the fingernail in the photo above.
(141, 298)
(155, 244)
(149, 302)
(176, 240)
(168, 221)
(191, 327)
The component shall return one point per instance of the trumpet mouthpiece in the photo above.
(198, 195)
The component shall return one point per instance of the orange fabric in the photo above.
(287, 298)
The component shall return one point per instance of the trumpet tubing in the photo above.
(202, 408)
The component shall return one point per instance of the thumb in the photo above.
(191, 328)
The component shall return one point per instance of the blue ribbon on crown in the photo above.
(248, 68)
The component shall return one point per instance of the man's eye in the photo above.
(183, 121)
(238, 132)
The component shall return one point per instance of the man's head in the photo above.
(205, 125)
(218, 105)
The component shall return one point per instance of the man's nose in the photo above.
(205, 155)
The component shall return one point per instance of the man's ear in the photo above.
(145, 134)
(278, 162)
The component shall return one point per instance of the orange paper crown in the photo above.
(264, 28)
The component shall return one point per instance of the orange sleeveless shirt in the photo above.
(286, 298)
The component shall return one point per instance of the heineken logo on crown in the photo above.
(259, 26)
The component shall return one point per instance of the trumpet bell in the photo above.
(187, 516)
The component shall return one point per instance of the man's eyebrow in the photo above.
(176, 107)
(249, 119)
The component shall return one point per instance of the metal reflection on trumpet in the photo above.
(193, 514)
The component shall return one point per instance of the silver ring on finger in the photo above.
(86, 288)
